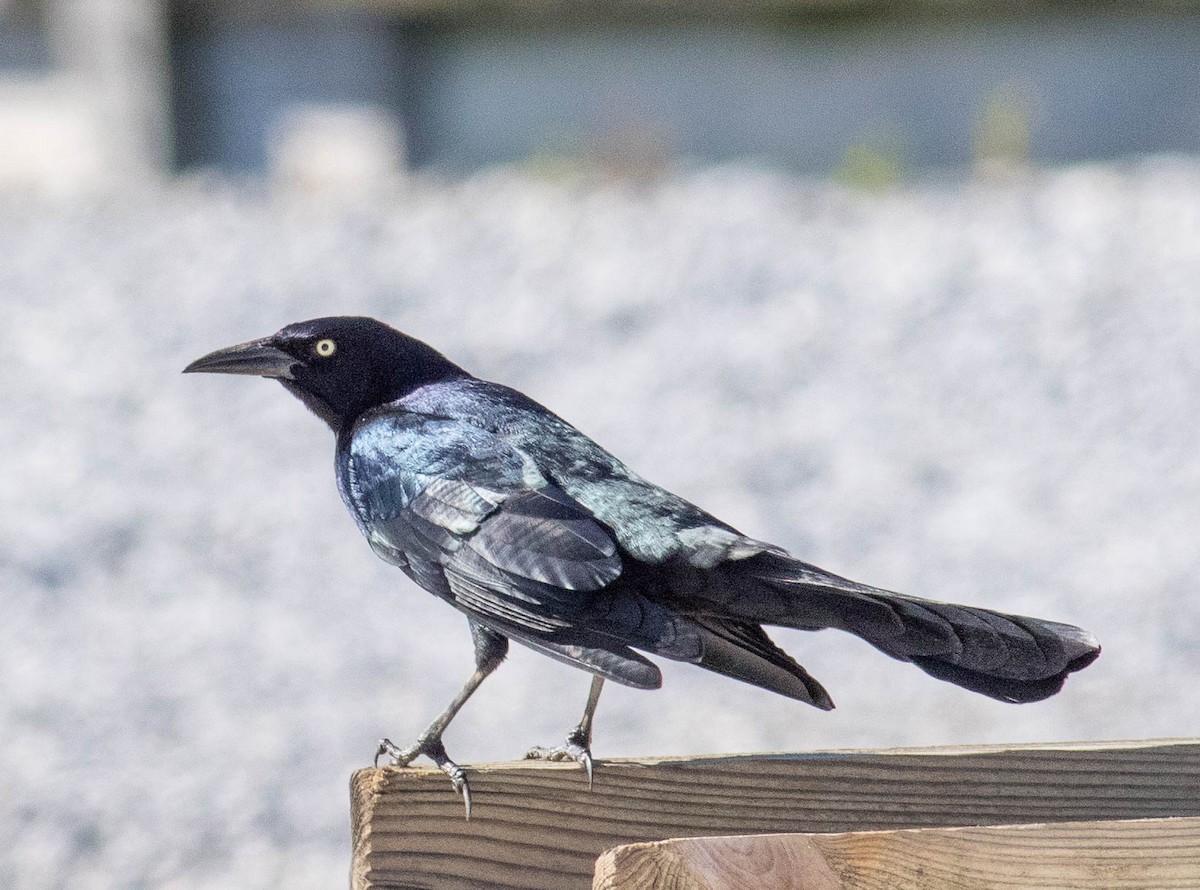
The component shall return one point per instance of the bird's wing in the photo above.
(473, 520)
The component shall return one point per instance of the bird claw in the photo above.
(575, 748)
(458, 779)
(435, 751)
(400, 756)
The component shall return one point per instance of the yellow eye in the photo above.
(325, 348)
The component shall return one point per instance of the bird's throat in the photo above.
(316, 405)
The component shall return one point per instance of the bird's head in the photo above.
(339, 366)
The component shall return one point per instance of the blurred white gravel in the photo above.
(975, 390)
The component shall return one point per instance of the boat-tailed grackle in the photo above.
(508, 513)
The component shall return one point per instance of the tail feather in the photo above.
(1007, 646)
(1004, 689)
(746, 653)
(1008, 657)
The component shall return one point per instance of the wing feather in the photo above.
(469, 519)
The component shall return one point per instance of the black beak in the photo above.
(258, 358)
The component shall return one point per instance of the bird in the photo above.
(508, 513)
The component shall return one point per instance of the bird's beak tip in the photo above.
(258, 358)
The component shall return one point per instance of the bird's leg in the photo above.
(578, 744)
(490, 649)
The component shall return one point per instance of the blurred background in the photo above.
(909, 289)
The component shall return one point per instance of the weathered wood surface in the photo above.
(536, 825)
(1120, 855)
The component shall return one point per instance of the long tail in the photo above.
(1007, 657)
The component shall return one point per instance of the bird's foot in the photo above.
(577, 747)
(435, 751)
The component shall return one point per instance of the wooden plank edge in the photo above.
(409, 829)
(701, 760)
(1110, 855)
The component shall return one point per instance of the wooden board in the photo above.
(1124, 855)
(536, 825)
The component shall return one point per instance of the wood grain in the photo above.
(536, 825)
(1111, 855)
(761, 861)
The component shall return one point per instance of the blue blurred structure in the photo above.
(918, 90)
(801, 97)
(874, 90)
(231, 85)
(24, 47)
(23, 50)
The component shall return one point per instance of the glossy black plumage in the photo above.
(511, 515)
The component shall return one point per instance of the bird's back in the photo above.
(651, 524)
